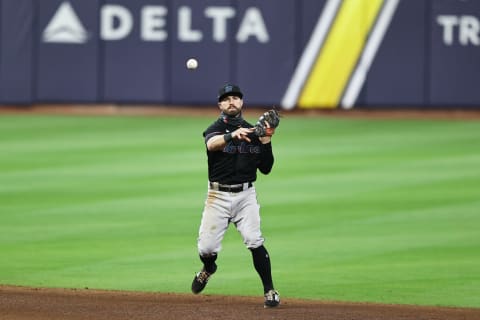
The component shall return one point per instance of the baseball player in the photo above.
(235, 151)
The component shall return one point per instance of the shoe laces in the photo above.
(203, 276)
(271, 295)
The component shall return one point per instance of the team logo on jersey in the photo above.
(65, 27)
(241, 148)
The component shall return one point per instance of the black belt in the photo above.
(230, 188)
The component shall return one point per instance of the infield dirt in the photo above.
(22, 303)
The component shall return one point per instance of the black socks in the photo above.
(209, 263)
(261, 261)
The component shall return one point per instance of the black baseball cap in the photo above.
(229, 90)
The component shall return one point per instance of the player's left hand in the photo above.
(269, 131)
(267, 123)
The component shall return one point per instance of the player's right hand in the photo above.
(242, 134)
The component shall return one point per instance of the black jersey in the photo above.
(239, 160)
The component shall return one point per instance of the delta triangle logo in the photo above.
(65, 27)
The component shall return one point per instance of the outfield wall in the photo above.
(293, 53)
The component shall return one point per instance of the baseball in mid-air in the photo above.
(192, 64)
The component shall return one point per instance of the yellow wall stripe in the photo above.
(340, 53)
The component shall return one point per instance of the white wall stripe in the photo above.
(371, 48)
(310, 53)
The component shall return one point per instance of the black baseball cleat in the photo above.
(200, 280)
(272, 299)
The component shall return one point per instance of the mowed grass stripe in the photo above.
(355, 209)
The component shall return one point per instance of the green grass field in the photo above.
(355, 210)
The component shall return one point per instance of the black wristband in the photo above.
(227, 137)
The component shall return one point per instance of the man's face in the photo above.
(231, 105)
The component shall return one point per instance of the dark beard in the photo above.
(235, 120)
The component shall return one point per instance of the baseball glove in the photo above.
(272, 117)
